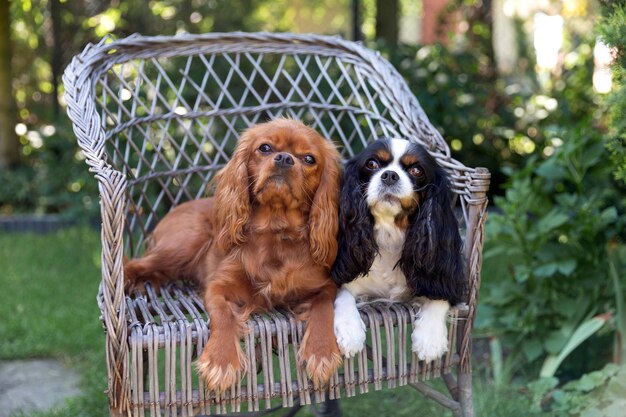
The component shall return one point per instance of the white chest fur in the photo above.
(385, 280)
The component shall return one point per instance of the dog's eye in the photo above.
(265, 148)
(415, 171)
(372, 164)
(309, 159)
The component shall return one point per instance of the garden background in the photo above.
(532, 90)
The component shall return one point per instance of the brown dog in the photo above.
(268, 238)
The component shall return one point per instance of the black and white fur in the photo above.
(398, 241)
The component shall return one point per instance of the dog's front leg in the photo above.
(430, 337)
(349, 328)
(222, 358)
(319, 350)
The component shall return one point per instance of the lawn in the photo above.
(48, 309)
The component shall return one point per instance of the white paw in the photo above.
(349, 331)
(429, 339)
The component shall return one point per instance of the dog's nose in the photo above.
(283, 160)
(389, 177)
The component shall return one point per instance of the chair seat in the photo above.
(171, 324)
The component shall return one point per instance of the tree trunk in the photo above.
(387, 15)
(355, 7)
(57, 56)
(503, 40)
(9, 144)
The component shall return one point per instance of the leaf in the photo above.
(556, 340)
(582, 333)
(567, 267)
(592, 380)
(592, 412)
(575, 309)
(567, 200)
(522, 274)
(542, 386)
(496, 361)
(506, 170)
(532, 349)
(551, 221)
(617, 385)
(551, 171)
(593, 154)
(609, 215)
(620, 309)
(494, 251)
(546, 270)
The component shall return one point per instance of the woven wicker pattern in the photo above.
(174, 321)
(156, 118)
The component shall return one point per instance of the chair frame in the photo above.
(138, 328)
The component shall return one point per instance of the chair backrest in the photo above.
(168, 111)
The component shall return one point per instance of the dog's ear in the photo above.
(431, 257)
(323, 216)
(357, 245)
(232, 196)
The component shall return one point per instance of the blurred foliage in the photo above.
(554, 229)
(457, 92)
(550, 241)
(491, 121)
(612, 30)
(52, 177)
(85, 21)
(599, 393)
(488, 121)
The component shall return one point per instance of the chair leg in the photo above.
(465, 394)
(438, 397)
(329, 408)
(452, 385)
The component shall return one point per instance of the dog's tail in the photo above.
(139, 271)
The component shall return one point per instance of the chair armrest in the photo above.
(477, 215)
(111, 298)
(79, 94)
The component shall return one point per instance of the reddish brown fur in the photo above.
(267, 239)
(384, 155)
(408, 160)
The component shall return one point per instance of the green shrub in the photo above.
(490, 122)
(52, 179)
(612, 29)
(548, 246)
(596, 394)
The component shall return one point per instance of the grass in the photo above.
(52, 282)
(48, 309)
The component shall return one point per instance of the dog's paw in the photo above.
(349, 331)
(321, 364)
(429, 340)
(133, 287)
(221, 368)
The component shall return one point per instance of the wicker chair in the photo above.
(156, 117)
